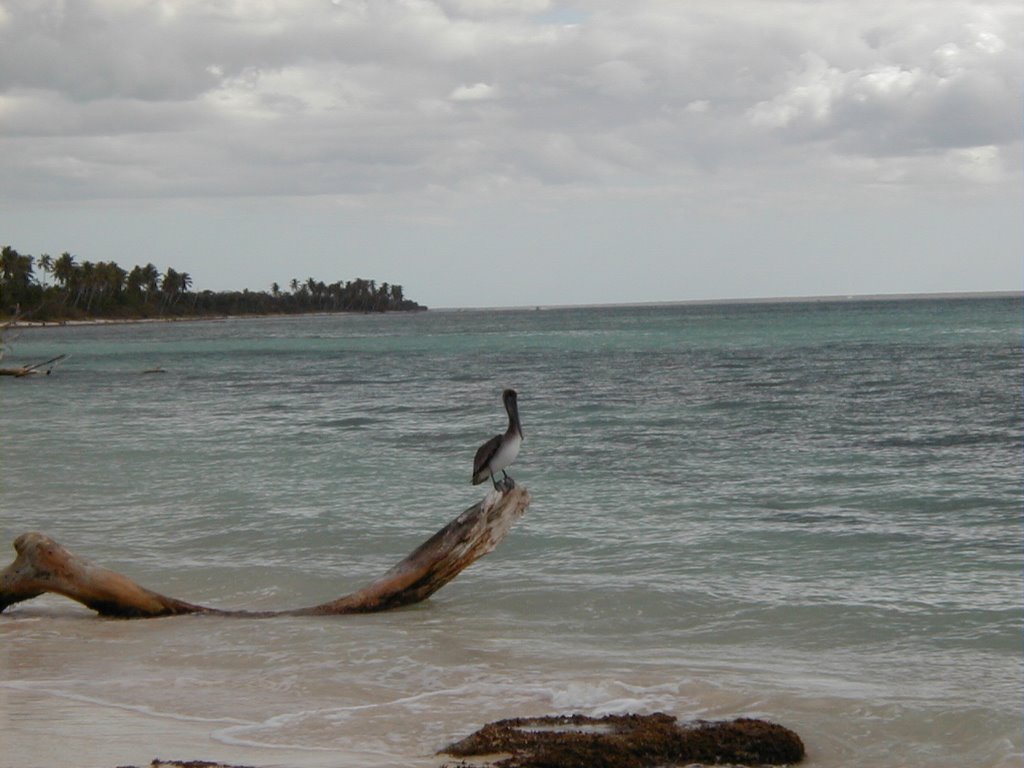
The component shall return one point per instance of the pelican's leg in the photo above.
(495, 483)
(507, 482)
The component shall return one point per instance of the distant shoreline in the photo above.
(20, 324)
(94, 321)
(99, 321)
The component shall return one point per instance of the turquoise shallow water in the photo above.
(804, 511)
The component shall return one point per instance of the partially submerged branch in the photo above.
(42, 565)
(438, 560)
(28, 370)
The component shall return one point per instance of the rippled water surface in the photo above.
(809, 512)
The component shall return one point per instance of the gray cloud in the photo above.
(310, 97)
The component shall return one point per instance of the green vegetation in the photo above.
(46, 288)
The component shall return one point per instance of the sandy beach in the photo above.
(100, 321)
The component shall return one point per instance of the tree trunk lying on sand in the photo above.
(43, 565)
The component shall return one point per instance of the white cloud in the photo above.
(979, 164)
(475, 92)
(807, 100)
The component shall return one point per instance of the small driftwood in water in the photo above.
(29, 370)
(628, 741)
(42, 565)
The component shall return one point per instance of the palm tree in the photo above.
(135, 281)
(110, 281)
(186, 282)
(8, 258)
(45, 263)
(170, 286)
(15, 267)
(64, 269)
(151, 280)
(64, 272)
(85, 282)
(15, 277)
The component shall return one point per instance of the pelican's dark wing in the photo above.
(483, 457)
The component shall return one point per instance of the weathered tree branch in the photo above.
(42, 565)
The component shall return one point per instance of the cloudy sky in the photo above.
(521, 152)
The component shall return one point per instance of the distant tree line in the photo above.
(47, 288)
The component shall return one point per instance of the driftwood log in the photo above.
(42, 565)
(29, 370)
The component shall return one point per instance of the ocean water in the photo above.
(807, 512)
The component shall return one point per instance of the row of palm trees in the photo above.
(64, 287)
(311, 295)
(359, 295)
(60, 288)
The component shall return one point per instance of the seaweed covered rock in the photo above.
(628, 741)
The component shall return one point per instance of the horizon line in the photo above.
(748, 300)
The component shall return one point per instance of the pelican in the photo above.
(501, 450)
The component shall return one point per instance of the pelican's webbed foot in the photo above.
(505, 484)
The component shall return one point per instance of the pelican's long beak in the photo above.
(512, 406)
